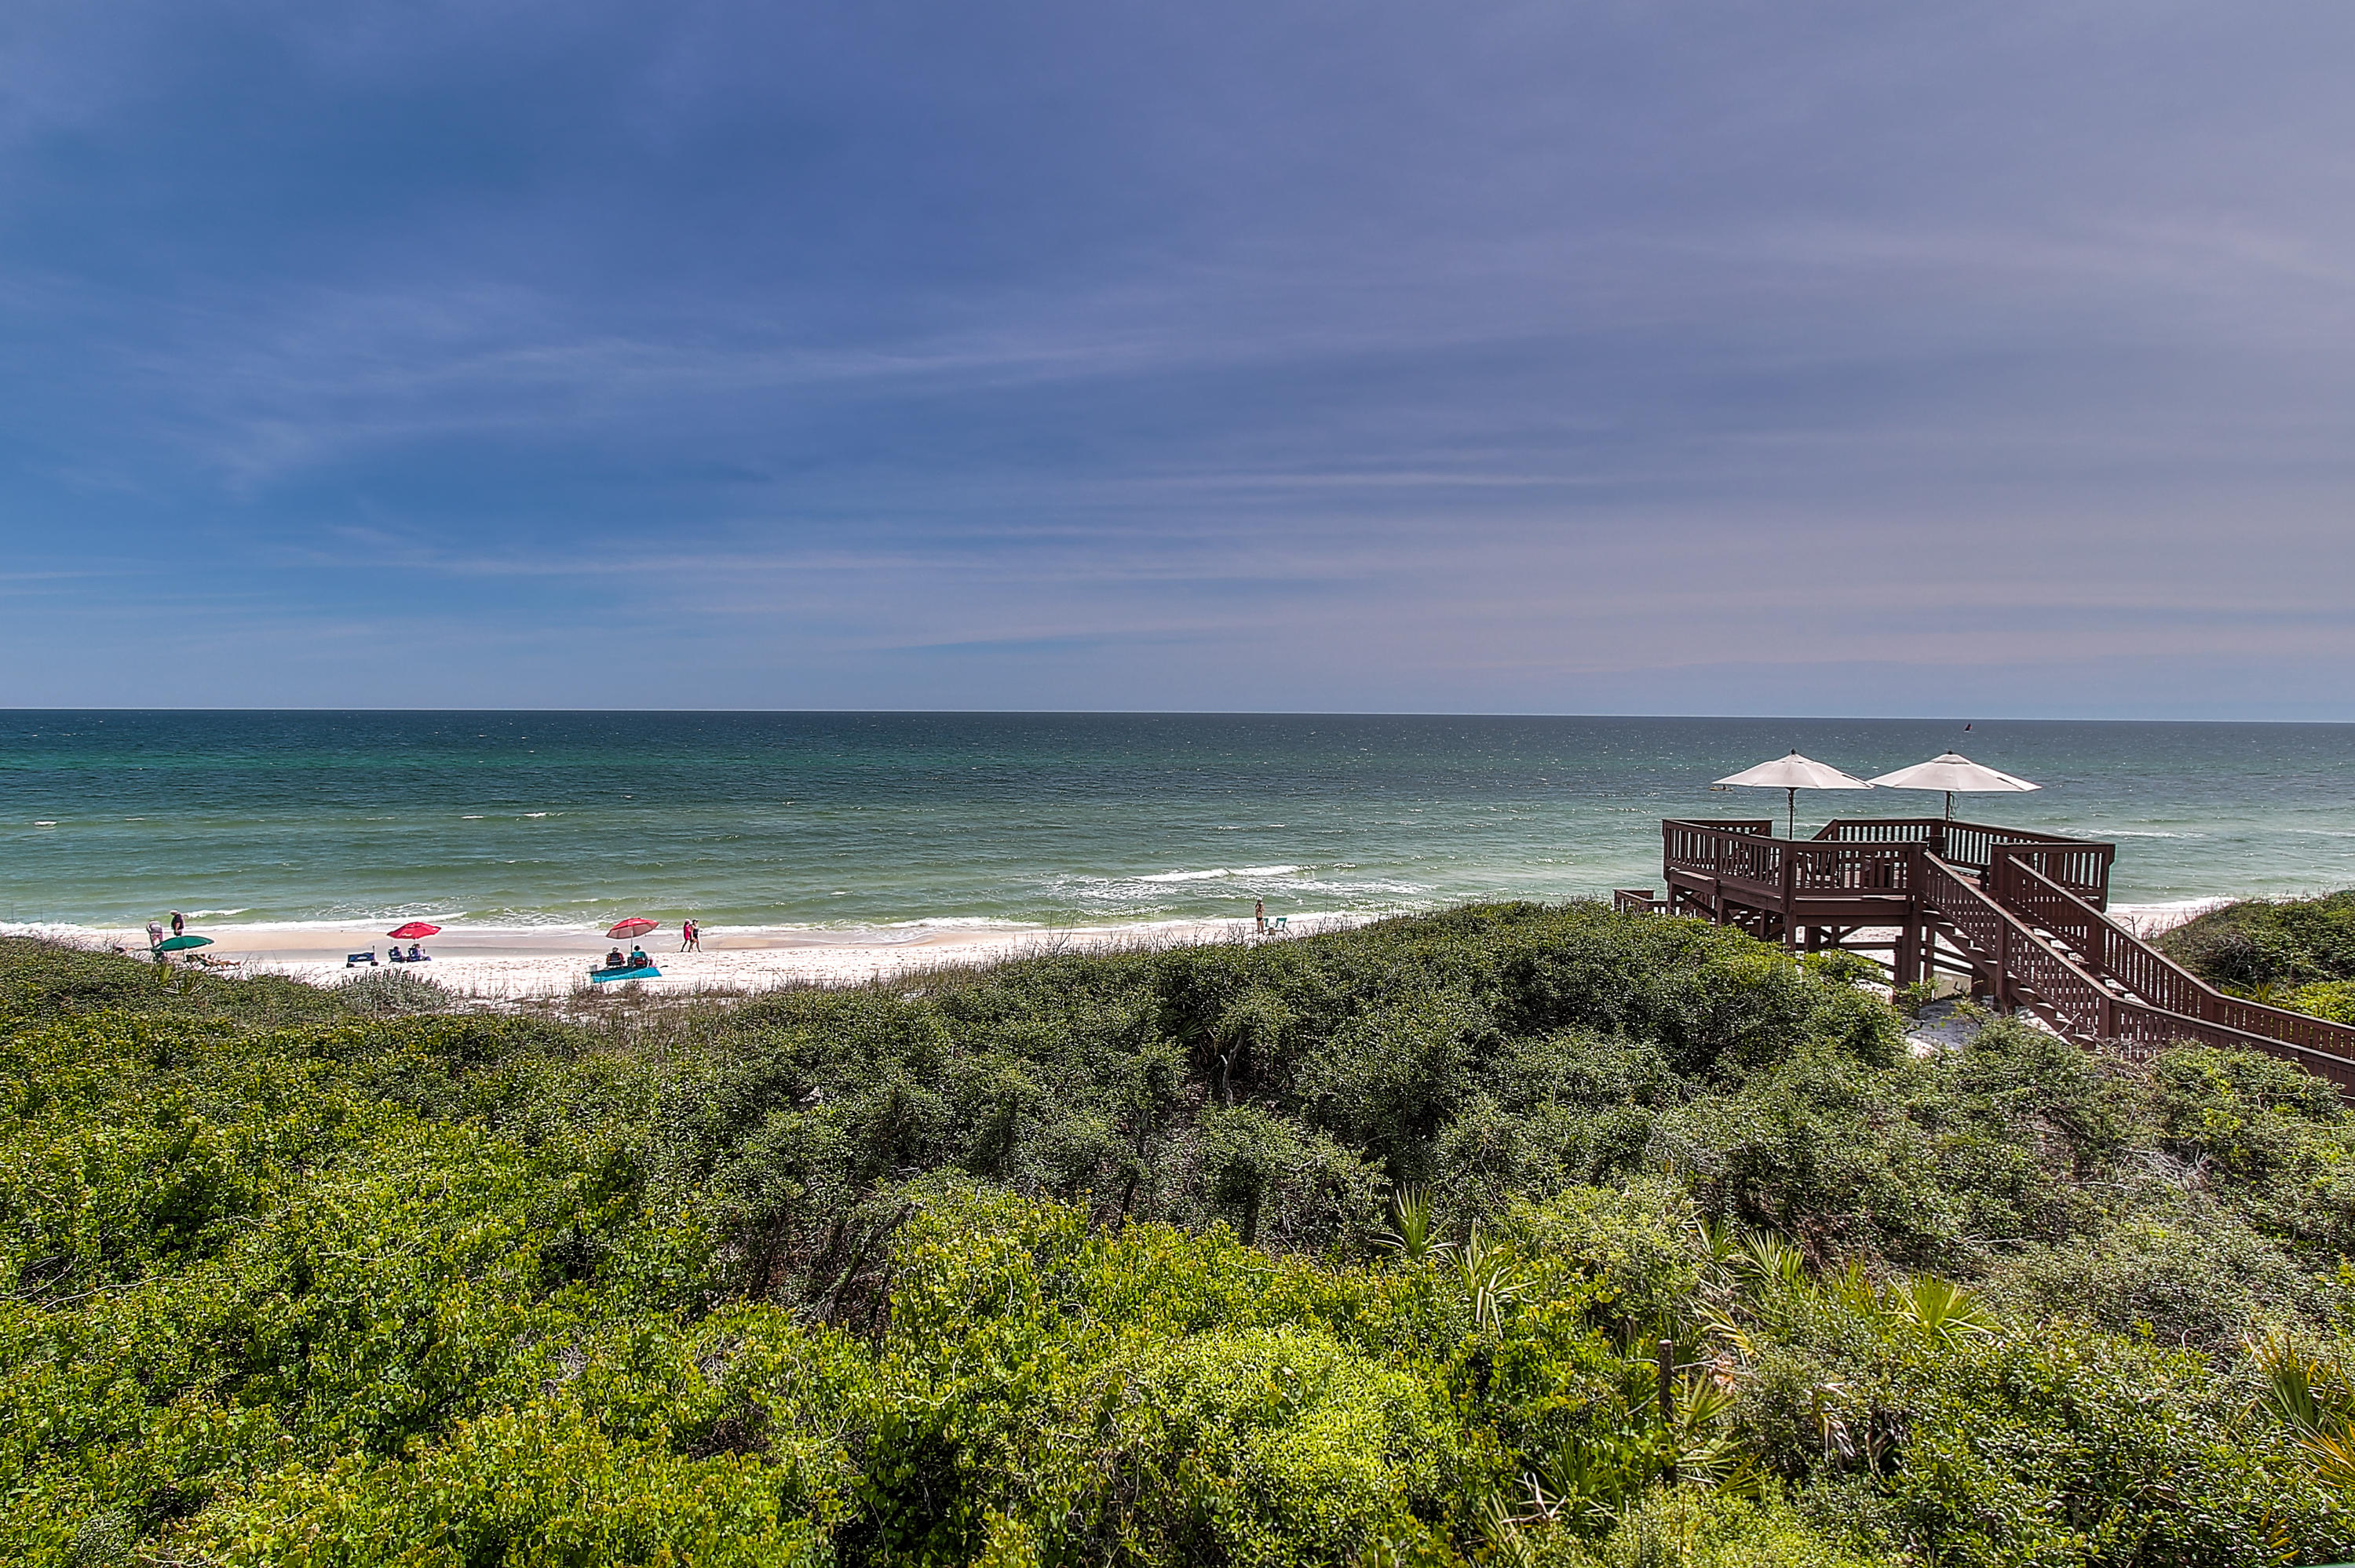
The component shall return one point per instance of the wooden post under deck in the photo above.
(1790, 882)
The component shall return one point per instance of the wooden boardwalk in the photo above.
(2017, 915)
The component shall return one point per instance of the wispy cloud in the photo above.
(1515, 355)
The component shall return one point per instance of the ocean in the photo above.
(839, 820)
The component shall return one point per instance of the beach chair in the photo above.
(354, 960)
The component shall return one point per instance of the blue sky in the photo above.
(1642, 358)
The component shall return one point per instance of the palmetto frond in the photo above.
(1413, 1230)
(1941, 1307)
(1492, 1279)
(1770, 1261)
(2316, 1399)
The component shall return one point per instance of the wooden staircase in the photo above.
(2037, 945)
(2020, 913)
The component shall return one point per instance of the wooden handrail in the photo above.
(2073, 999)
(2079, 868)
(2084, 863)
(1790, 867)
(1932, 827)
(2116, 954)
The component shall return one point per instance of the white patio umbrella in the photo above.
(1790, 775)
(1956, 774)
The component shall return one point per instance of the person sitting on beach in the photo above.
(613, 960)
(392, 954)
(414, 956)
(638, 959)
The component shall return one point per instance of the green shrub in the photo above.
(2188, 1275)
(540, 1485)
(1079, 1259)
(2265, 941)
(2334, 1000)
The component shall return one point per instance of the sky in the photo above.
(1738, 358)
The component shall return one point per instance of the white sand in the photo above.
(500, 962)
(2147, 920)
(504, 962)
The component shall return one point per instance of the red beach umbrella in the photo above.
(631, 928)
(415, 931)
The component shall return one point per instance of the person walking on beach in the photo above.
(178, 925)
(691, 937)
(154, 933)
(1259, 915)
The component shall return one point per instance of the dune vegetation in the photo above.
(2292, 952)
(1514, 1235)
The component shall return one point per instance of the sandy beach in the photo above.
(499, 962)
(508, 962)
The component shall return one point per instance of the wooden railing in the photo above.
(2148, 976)
(2027, 967)
(2139, 1032)
(1879, 830)
(1788, 867)
(2080, 866)
(2080, 993)
(1722, 849)
(2104, 948)
(2082, 869)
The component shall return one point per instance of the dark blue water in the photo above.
(873, 818)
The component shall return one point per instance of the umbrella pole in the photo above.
(1791, 812)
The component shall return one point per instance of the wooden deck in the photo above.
(2020, 915)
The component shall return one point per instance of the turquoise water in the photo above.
(854, 819)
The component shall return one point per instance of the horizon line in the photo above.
(1209, 713)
